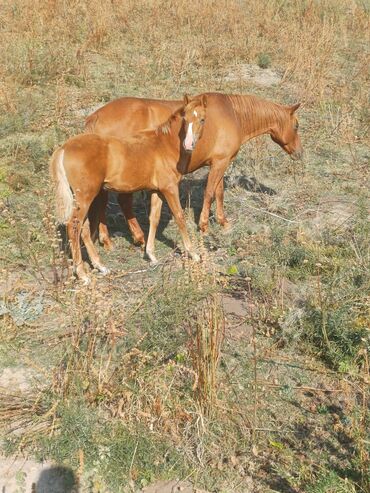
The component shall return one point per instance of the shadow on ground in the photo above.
(321, 435)
(191, 195)
(57, 479)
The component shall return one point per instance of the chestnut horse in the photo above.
(232, 120)
(151, 160)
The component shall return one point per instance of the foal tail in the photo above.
(63, 192)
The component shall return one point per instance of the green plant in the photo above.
(330, 482)
(263, 60)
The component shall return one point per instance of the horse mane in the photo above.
(254, 112)
(165, 128)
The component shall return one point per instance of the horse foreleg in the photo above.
(173, 200)
(215, 176)
(125, 202)
(155, 214)
(104, 238)
(220, 212)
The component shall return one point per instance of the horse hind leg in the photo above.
(125, 202)
(91, 250)
(100, 203)
(155, 214)
(74, 228)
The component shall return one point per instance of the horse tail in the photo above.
(63, 192)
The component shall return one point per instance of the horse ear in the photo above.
(293, 108)
(186, 99)
(203, 100)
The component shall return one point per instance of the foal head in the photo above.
(193, 114)
(285, 132)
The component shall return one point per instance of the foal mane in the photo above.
(165, 128)
(253, 112)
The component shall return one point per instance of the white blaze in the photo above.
(188, 143)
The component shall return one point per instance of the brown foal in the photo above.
(152, 160)
(231, 121)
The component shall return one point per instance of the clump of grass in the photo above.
(114, 454)
(263, 60)
(330, 482)
(336, 322)
(25, 417)
(206, 333)
(123, 391)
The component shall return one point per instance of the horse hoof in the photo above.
(226, 228)
(104, 270)
(108, 246)
(195, 257)
(153, 263)
(139, 241)
(85, 281)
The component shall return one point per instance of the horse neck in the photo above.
(256, 116)
(169, 134)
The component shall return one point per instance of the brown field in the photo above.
(248, 372)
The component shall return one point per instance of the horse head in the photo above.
(193, 113)
(285, 133)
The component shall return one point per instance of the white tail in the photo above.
(63, 192)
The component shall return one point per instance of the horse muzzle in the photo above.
(189, 147)
(297, 155)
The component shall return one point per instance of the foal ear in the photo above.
(186, 99)
(203, 100)
(293, 108)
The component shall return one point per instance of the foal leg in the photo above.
(215, 175)
(125, 201)
(74, 226)
(94, 216)
(104, 238)
(93, 254)
(155, 214)
(172, 197)
(220, 212)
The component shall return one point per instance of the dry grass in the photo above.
(149, 358)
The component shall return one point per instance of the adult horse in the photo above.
(232, 120)
(88, 163)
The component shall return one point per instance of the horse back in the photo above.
(126, 116)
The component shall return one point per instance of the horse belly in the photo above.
(128, 179)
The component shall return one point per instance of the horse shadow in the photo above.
(56, 479)
(191, 197)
